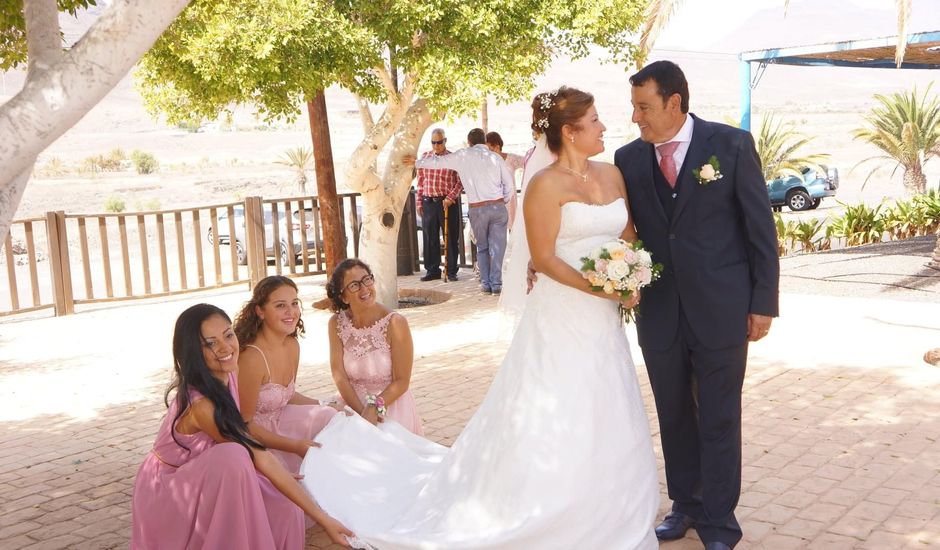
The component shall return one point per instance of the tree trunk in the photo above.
(58, 95)
(914, 179)
(485, 115)
(333, 245)
(384, 205)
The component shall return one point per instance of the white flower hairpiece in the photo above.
(547, 101)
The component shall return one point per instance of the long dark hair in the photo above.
(190, 371)
(248, 323)
(334, 287)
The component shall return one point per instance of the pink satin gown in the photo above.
(208, 497)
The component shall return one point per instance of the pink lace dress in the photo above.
(275, 414)
(367, 359)
(209, 496)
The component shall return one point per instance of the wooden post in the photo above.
(59, 262)
(333, 246)
(254, 237)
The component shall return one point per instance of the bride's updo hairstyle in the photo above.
(552, 110)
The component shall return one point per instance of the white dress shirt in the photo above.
(483, 173)
(684, 137)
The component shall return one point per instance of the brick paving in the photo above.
(842, 426)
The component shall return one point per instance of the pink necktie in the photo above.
(666, 161)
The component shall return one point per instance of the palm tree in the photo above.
(658, 13)
(300, 159)
(777, 145)
(907, 130)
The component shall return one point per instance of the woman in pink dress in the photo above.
(371, 351)
(207, 483)
(278, 416)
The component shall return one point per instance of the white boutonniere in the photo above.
(709, 171)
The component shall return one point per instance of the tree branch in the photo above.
(387, 83)
(365, 114)
(43, 35)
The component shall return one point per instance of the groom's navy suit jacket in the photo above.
(718, 248)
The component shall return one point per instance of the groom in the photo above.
(700, 206)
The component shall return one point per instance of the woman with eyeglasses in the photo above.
(268, 328)
(371, 351)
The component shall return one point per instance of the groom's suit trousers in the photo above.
(698, 399)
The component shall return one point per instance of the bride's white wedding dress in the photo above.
(558, 456)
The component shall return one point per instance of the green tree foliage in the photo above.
(907, 130)
(13, 29)
(272, 54)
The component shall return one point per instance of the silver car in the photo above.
(241, 254)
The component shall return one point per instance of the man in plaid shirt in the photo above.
(437, 190)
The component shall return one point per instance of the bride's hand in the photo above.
(632, 301)
(530, 277)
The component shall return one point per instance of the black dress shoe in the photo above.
(716, 546)
(430, 277)
(452, 277)
(674, 526)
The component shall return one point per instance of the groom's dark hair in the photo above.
(669, 80)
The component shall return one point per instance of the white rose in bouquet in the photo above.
(617, 269)
(643, 257)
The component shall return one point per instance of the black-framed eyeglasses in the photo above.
(354, 286)
(438, 141)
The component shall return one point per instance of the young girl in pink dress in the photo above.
(371, 351)
(207, 483)
(278, 416)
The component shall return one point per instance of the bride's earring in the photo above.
(572, 139)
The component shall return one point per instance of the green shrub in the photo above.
(144, 163)
(114, 204)
(147, 205)
(859, 224)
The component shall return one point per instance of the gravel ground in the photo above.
(895, 270)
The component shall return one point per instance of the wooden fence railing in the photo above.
(62, 260)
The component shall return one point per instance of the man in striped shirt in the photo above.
(438, 189)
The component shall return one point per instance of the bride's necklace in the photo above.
(583, 176)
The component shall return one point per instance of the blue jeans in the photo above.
(489, 224)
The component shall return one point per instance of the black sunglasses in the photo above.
(438, 142)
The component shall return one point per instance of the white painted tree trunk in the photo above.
(62, 87)
(385, 201)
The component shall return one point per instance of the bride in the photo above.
(559, 454)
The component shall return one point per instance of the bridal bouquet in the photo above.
(621, 267)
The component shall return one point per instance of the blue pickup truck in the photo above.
(803, 193)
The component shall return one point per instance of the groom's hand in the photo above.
(757, 326)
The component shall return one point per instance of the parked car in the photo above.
(803, 193)
(240, 253)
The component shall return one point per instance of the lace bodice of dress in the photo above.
(585, 227)
(367, 356)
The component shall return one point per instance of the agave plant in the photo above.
(785, 234)
(777, 146)
(929, 202)
(859, 224)
(300, 159)
(904, 220)
(806, 232)
(907, 130)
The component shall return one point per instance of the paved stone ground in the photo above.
(841, 423)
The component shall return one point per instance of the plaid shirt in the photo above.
(438, 183)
